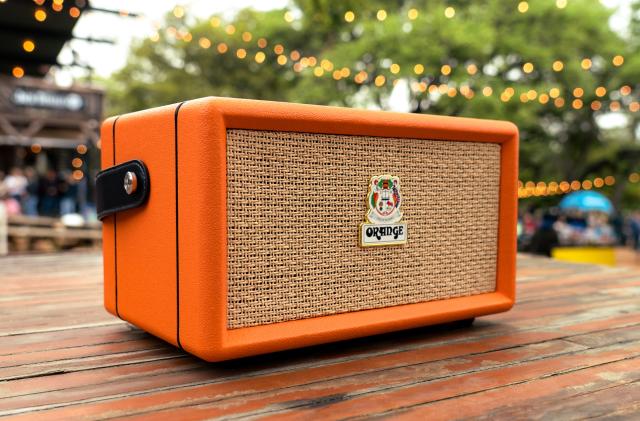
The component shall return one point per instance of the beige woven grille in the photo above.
(295, 201)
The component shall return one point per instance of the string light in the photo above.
(300, 63)
(381, 15)
(259, 57)
(449, 12)
(28, 45)
(40, 15)
(540, 188)
(446, 70)
(412, 14)
(523, 6)
(178, 11)
(618, 61)
(349, 16)
(472, 69)
(17, 72)
(557, 66)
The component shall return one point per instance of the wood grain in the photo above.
(570, 349)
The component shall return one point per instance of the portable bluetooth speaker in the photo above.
(237, 227)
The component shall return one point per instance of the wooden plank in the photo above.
(281, 384)
(575, 333)
(593, 392)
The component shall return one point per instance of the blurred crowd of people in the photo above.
(54, 194)
(540, 230)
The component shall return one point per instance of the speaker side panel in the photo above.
(202, 233)
(145, 247)
(108, 224)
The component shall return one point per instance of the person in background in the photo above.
(68, 194)
(530, 225)
(16, 184)
(3, 188)
(618, 227)
(30, 202)
(598, 231)
(49, 194)
(634, 228)
(564, 230)
(545, 238)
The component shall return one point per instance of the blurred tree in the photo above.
(483, 58)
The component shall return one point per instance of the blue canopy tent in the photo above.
(587, 201)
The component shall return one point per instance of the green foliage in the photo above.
(557, 143)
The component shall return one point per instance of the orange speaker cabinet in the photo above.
(237, 227)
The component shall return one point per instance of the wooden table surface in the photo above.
(570, 349)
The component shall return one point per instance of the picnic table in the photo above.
(570, 349)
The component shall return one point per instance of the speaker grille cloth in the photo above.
(295, 202)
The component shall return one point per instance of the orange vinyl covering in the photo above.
(166, 262)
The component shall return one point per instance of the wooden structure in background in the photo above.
(24, 231)
(570, 349)
(33, 111)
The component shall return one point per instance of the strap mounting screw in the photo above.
(130, 182)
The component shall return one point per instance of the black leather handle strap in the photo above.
(111, 195)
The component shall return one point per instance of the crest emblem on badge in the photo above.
(382, 226)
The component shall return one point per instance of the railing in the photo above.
(25, 233)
